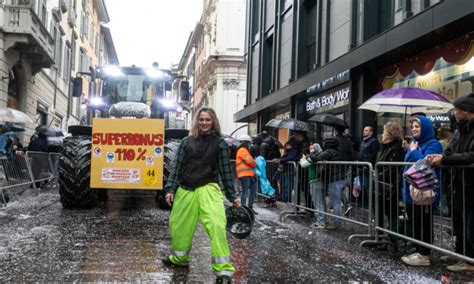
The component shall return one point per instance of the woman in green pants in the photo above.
(193, 187)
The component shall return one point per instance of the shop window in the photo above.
(450, 75)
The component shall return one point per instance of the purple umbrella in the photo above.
(407, 100)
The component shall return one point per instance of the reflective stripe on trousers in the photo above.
(205, 204)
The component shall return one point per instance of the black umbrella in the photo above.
(15, 127)
(49, 130)
(289, 123)
(329, 120)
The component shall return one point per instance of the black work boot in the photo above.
(254, 212)
(167, 261)
(223, 279)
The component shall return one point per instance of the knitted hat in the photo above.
(465, 103)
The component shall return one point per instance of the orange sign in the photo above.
(127, 153)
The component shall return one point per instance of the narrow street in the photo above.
(125, 238)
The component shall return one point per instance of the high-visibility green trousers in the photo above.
(206, 204)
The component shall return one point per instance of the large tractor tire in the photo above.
(171, 150)
(74, 174)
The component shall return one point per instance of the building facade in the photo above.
(214, 62)
(44, 43)
(308, 57)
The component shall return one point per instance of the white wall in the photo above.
(230, 27)
(340, 28)
(226, 38)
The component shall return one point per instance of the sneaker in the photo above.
(460, 267)
(223, 279)
(348, 210)
(167, 261)
(416, 259)
(317, 226)
(448, 258)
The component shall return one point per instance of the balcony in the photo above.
(25, 32)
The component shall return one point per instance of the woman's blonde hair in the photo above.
(391, 131)
(216, 127)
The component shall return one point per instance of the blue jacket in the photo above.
(428, 145)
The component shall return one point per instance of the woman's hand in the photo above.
(236, 202)
(169, 198)
(413, 146)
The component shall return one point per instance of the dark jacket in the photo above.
(290, 155)
(460, 152)
(40, 144)
(303, 148)
(269, 149)
(346, 148)
(369, 149)
(329, 173)
(391, 176)
(200, 165)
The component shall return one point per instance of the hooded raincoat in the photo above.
(427, 145)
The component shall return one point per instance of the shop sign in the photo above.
(328, 83)
(439, 118)
(328, 101)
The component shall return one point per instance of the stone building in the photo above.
(43, 44)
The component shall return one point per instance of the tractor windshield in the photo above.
(132, 88)
(132, 84)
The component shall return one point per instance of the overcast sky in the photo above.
(147, 31)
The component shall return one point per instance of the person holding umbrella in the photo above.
(288, 173)
(40, 144)
(420, 218)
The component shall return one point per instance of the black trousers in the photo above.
(421, 224)
(463, 228)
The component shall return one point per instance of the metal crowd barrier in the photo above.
(282, 178)
(331, 184)
(34, 169)
(437, 226)
(376, 201)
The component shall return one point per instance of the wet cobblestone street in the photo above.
(125, 238)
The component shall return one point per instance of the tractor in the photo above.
(118, 95)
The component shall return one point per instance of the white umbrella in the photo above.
(14, 116)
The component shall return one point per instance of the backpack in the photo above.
(6, 144)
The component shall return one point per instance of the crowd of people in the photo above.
(439, 145)
(11, 147)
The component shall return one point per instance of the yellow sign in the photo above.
(127, 153)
